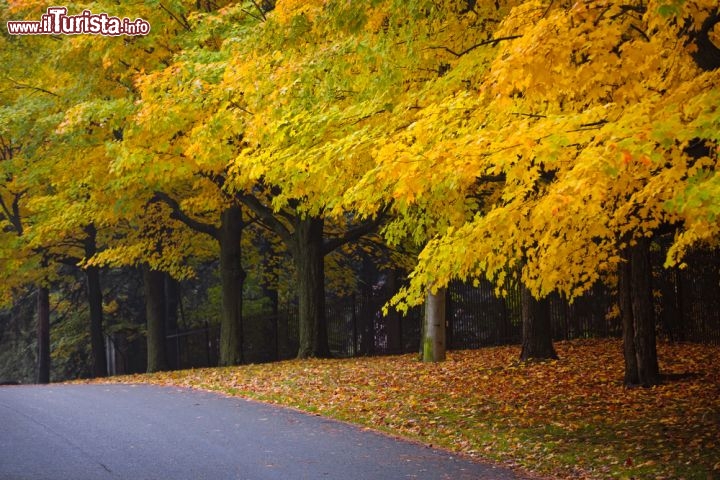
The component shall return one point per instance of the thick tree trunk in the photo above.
(95, 301)
(43, 334)
(537, 331)
(232, 278)
(643, 314)
(154, 285)
(309, 260)
(628, 325)
(433, 343)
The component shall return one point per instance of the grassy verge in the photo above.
(570, 418)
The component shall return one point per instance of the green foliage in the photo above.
(495, 134)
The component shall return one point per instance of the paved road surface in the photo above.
(137, 432)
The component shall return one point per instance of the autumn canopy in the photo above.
(541, 142)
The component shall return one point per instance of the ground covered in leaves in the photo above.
(570, 418)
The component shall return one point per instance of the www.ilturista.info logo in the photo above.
(57, 22)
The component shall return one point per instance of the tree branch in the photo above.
(23, 86)
(13, 213)
(354, 233)
(262, 13)
(185, 24)
(492, 41)
(267, 217)
(179, 214)
(707, 55)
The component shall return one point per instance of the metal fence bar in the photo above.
(687, 303)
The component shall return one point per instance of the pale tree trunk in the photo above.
(433, 342)
(154, 285)
(43, 334)
(537, 330)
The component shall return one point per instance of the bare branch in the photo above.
(355, 233)
(181, 215)
(262, 13)
(267, 217)
(492, 41)
(24, 86)
(182, 22)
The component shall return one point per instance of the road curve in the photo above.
(137, 432)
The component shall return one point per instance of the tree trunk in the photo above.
(95, 301)
(232, 278)
(310, 264)
(537, 331)
(643, 314)
(43, 334)
(434, 327)
(628, 326)
(154, 285)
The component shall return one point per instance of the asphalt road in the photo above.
(137, 432)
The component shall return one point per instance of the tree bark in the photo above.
(643, 314)
(309, 257)
(95, 300)
(232, 275)
(154, 286)
(43, 334)
(434, 327)
(537, 331)
(308, 247)
(232, 278)
(628, 324)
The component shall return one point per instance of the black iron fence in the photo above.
(687, 304)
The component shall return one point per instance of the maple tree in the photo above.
(578, 135)
(76, 219)
(23, 126)
(224, 128)
(531, 142)
(141, 176)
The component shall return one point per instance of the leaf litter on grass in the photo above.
(569, 418)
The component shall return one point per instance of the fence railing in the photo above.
(687, 305)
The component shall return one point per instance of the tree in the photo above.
(588, 157)
(154, 287)
(536, 329)
(433, 339)
(222, 132)
(22, 127)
